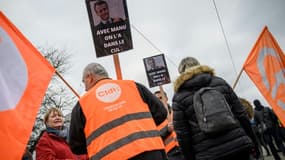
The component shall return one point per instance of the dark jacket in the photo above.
(77, 124)
(265, 115)
(51, 146)
(193, 142)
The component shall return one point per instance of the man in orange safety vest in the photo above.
(116, 119)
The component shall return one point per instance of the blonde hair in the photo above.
(52, 110)
(248, 107)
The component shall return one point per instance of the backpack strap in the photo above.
(203, 89)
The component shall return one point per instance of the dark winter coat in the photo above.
(51, 146)
(265, 115)
(193, 142)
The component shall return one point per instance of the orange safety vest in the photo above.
(170, 141)
(119, 124)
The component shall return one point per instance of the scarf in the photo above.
(59, 132)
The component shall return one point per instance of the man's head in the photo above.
(102, 10)
(92, 73)
(151, 63)
(164, 101)
(257, 104)
(159, 95)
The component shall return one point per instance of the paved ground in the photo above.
(269, 158)
(272, 158)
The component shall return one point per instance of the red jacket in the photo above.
(51, 147)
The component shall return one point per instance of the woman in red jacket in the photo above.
(52, 144)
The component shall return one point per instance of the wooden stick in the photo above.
(77, 95)
(117, 66)
(237, 79)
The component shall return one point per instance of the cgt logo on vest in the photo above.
(108, 92)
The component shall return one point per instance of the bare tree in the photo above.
(57, 94)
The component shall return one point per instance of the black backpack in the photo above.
(212, 111)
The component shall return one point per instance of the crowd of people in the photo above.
(123, 119)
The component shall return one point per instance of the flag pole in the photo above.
(117, 66)
(58, 74)
(238, 77)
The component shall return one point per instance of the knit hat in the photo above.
(186, 63)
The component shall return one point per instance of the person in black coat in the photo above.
(250, 111)
(235, 143)
(264, 115)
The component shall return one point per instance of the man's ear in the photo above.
(91, 78)
(88, 78)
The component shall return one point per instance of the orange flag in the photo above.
(265, 66)
(24, 77)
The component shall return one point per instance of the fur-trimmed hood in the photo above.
(190, 73)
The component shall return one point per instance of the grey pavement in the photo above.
(272, 158)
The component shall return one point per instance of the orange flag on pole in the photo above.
(24, 77)
(265, 66)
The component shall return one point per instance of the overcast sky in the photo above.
(178, 28)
